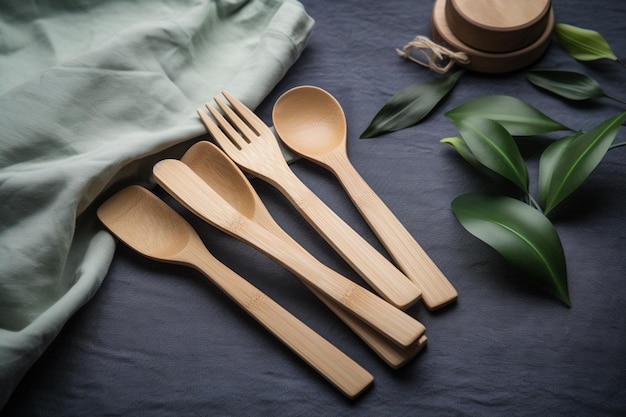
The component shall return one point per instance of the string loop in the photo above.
(438, 58)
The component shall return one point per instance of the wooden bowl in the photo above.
(495, 43)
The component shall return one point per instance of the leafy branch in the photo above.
(486, 126)
(518, 229)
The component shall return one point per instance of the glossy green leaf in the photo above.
(517, 117)
(566, 164)
(521, 234)
(492, 146)
(569, 84)
(410, 105)
(461, 147)
(549, 158)
(583, 44)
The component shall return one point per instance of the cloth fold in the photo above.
(92, 94)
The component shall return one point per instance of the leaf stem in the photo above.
(534, 203)
(617, 145)
(619, 100)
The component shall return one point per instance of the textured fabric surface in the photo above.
(89, 92)
(160, 340)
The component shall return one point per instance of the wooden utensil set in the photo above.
(208, 181)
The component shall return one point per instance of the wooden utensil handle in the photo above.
(334, 365)
(371, 265)
(437, 291)
(387, 319)
(393, 355)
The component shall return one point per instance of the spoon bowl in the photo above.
(150, 228)
(310, 122)
(220, 172)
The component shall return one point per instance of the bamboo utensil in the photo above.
(252, 145)
(221, 173)
(311, 122)
(148, 225)
(191, 191)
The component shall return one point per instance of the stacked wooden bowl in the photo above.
(497, 35)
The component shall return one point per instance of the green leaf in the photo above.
(583, 44)
(461, 147)
(517, 117)
(410, 105)
(566, 164)
(549, 158)
(569, 84)
(493, 147)
(521, 234)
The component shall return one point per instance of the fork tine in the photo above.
(245, 113)
(216, 132)
(209, 124)
(225, 134)
(234, 118)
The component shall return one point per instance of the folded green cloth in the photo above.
(92, 93)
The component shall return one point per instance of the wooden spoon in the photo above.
(221, 173)
(192, 192)
(312, 123)
(152, 228)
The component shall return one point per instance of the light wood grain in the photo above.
(498, 25)
(191, 191)
(152, 228)
(502, 14)
(311, 122)
(220, 172)
(251, 144)
(486, 61)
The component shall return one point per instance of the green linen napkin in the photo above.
(92, 93)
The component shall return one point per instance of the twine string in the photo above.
(436, 57)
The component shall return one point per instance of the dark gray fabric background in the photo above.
(160, 340)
